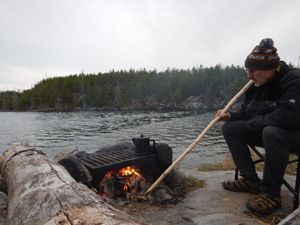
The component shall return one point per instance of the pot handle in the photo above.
(152, 148)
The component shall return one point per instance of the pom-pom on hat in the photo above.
(263, 57)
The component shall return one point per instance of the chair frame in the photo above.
(294, 191)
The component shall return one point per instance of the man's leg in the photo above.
(278, 144)
(237, 136)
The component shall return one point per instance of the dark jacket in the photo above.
(276, 103)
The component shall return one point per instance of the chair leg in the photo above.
(296, 196)
(236, 174)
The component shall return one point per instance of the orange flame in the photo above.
(127, 171)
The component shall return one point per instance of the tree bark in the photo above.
(41, 192)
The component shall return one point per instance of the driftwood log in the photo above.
(41, 192)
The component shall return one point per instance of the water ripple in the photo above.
(90, 131)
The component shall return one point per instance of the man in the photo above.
(269, 117)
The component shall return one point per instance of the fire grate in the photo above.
(111, 159)
(90, 168)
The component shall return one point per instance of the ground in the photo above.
(211, 205)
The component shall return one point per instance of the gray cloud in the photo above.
(55, 37)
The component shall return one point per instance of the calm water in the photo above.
(90, 131)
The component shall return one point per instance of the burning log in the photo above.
(42, 192)
(125, 181)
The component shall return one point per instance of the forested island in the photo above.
(201, 88)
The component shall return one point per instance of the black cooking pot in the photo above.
(142, 145)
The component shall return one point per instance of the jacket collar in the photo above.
(283, 68)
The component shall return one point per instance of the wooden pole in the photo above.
(198, 139)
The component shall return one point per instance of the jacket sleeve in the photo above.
(287, 113)
(240, 114)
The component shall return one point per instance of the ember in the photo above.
(125, 182)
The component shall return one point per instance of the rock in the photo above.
(66, 157)
(174, 179)
(211, 205)
(160, 195)
(3, 207)
(65, 152)
(200, 102)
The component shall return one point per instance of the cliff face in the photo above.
(202, 103)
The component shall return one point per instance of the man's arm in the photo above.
(286, 115)
(231, 116)
(240, 114)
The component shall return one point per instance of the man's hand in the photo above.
(226, 116)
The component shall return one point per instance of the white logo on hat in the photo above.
(257, 57)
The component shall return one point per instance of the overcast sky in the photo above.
(45, 38)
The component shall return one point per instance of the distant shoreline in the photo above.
(200, 89)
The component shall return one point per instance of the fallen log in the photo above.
(41, 192)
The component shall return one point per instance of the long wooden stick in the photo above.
(198, 139)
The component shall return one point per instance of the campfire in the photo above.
(123, 172)
(125, 182)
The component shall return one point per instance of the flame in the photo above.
(128, 171)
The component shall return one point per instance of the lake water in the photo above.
(89, 131)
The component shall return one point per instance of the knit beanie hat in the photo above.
(263, 57)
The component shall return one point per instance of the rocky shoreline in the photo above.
(212, 205)
(192, 103)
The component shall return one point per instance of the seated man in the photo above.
(269, 117)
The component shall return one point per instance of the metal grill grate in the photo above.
(111, 158)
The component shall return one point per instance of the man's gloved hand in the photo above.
(226, 116)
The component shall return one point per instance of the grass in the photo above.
(192, 183)
(228, 164)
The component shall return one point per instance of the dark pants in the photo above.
(278, 144)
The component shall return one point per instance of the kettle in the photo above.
(142, 145)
